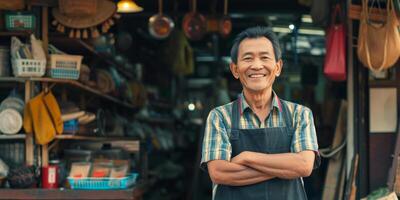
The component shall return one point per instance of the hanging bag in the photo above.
(335, 58)
(320, 12)
(378, 43)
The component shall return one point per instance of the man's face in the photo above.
(256, 66)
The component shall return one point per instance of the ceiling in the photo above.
(234, 6)
(278, 14)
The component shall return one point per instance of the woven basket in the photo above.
(76, 8)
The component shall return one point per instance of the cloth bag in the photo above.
(42, 116)
(320, 12)
(335, 58)
(378, 43)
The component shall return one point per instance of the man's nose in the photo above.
(257, 64)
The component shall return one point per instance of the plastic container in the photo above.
(28, 67)
(65, 66)
(20, 21)
(103, 183)
(71, 126)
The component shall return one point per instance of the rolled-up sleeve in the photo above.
(216, 145)
(305, 137)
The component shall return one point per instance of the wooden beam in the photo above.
(45, 30)
(375, 13)
(29, 146)
(45, 155)
(332, 182)
(47, 3)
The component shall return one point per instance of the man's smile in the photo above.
(257, 75)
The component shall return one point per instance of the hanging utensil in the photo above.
(160, 25)
(194, 24)
(225, 24)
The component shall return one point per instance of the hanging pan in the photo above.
(160, 25)
(194, 24)
(225, 24)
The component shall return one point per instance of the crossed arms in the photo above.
(251, 167)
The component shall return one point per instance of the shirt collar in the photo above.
(276, 103)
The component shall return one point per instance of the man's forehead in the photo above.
(262, 44)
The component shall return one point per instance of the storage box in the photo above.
(65, 66)
(28, 67)
(102, 183)
(71, 126)
(20, 21)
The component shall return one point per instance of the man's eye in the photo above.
(264, 58)
(247, 58)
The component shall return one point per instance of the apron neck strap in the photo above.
(286, 115)
(236, 112)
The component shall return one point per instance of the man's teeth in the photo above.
(257, 75)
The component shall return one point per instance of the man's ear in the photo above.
(234, 70)
(278, 68)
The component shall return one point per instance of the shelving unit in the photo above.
(131, 144)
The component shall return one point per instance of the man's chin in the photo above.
(256, 89)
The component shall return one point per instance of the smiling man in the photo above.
(259, 146)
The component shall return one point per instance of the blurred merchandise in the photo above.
(5, 64)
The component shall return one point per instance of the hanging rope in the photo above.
(329, 152)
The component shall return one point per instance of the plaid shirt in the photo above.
(216, 145)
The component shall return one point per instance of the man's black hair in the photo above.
(256, 32)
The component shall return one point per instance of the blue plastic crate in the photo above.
(64, 73)
(71, 126)
(102, 183)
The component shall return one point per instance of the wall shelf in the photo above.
(37, 193)
(12, 137)
(15, 33)
(94, 138)
(130, 144)
(70, 82)
(155, 120)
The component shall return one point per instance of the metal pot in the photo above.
(225, 23)
(160, 25)
(194, 24)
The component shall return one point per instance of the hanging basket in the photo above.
(75, 8)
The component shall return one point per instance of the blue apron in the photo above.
(264, 140)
